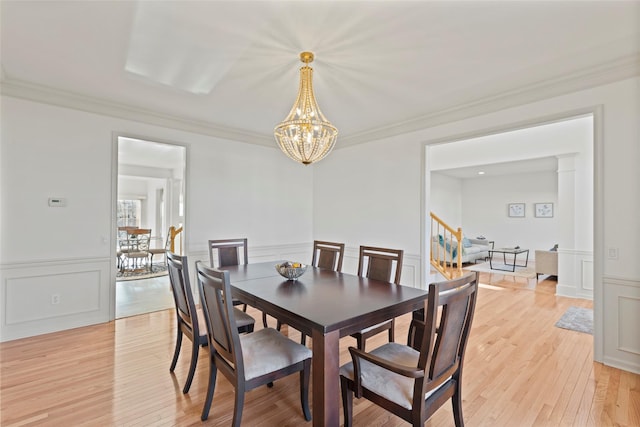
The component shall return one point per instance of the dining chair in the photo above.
(232, 252)
(247, 361)
(226, 252)
(412, 381)
(327, 255)
(123, 244)
(379, 264)
(190, 319)
(160, 251)
(137, 252)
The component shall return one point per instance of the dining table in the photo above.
(326, 306)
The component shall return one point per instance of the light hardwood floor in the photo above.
(134, 297)
(520, 371)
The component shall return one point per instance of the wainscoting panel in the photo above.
(52, 296)
(586, 277)
(43, 297)
(575, 274)
(629, 314)
(621, 320)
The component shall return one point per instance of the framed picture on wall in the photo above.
(543, 210)
(516, 210)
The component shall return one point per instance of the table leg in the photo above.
(326, 389)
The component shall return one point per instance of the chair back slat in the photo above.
(447, 325)
(380, 264)
(215, 296)
(328, 255)
(229, 252)
(181, 289)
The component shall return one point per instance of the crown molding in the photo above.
(610, 72)
(48, 95)
(623, 68)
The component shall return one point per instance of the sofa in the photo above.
(546, 263)
(472, 249)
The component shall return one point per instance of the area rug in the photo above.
(577, 319)
(528, 272)
(157, 270)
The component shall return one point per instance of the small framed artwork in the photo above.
(543, 210)
(516, 210)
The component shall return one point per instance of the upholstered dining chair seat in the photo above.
(394, 387)
(267, 350)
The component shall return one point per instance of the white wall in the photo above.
(485, 210)
(132, 188)
(233, 190)
(396, 161)
(446, 199)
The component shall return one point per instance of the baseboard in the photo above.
(621, 364)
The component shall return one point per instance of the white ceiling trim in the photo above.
(624, 68)
(621, 69)
(48, 95)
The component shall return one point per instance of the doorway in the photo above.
(474, 180)
(150, 199)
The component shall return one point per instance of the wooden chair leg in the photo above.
(192, 368)
(391, 330)
(304, 389)
(238, 406)
(456, 401)
(211, 386)
(176, 352)
(347, 403)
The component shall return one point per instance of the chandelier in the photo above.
(305, 135)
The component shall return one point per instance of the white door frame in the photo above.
(114, 201)
(598, 202)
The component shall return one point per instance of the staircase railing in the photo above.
(171, 239)
(442, 250)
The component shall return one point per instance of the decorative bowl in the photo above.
(291, 270)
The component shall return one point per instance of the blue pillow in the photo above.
(447, 246)
(466, 243)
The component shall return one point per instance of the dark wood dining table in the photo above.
(326, 306)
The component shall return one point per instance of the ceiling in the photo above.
(230, 68)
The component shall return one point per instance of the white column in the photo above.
(575, 213)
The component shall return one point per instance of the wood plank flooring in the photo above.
(520, 371)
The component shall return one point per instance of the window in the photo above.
(129, 212)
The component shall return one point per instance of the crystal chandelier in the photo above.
(305, 135)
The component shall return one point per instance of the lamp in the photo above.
(305, 135)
